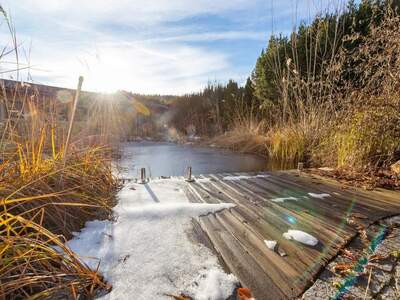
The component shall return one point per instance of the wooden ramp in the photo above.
(238, 234)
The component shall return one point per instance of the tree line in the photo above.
(307, 53)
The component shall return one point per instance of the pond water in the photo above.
(169, 159)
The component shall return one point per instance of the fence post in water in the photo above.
(143, 178)
(189, 175)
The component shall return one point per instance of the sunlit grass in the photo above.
(36, 264)
(46, 196)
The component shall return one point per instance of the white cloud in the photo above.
(147, 47)
(72, 38)
(141, 67)
(214, 36)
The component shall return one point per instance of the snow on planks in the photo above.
(238, 234)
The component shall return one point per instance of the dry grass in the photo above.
(45, 195)
(246, 136)
(369, 133)
(332, 119)
(36, 264)
(45, 198)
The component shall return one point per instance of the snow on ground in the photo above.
(203, 179)
(147, 253)
(240, 177)
(213, 284)
(300, 236)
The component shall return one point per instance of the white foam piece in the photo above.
(301, 236)
(319, 196)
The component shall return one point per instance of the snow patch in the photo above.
(160, 210)
(318, 196)
(270, 244)
(147, 252)
(301, 236)
(240, 177)
(203, 180)
(215, 285)
(283, 199)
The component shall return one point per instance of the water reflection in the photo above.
(168, 159)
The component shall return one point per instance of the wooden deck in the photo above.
(238, 234)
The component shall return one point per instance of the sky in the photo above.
(151, 47)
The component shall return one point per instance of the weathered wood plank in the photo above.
(238, 235)
(279, 222)
(268, 260)
(239, 261)
(295, 220)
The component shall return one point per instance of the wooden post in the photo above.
(300, 166)
(143, 178)
(189, 175)
(71, 122)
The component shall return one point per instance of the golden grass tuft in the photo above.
(47, 192)
(246, 136)
(36, 264)
(44, 197)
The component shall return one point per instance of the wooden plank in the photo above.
(390, 198)
(270, 231)
(238, 234)
(264, 230)
(282, 273)
(245, 268)
(301, 222)
(318, 211)
(280, 223)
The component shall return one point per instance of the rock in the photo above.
(388, 292)
(390, 244)
(329, 277)
(358, 292)
(397, 275)
(320, 290)
(393, 221)
(379, 280)
(386, 265)
(396, 167)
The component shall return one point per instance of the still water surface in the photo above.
(168, 159)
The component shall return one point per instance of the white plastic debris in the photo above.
(319, 196)
(270, 244)
(300, 236)
(283, 199)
